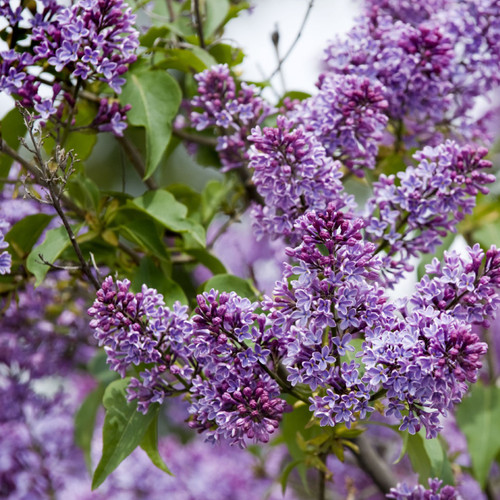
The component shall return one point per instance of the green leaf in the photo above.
(148, 273)
(227, 54)
(85, 422)
(25, 233)
(123, 431)
(84, 192)
(55, 242)
(230, 283)
(150, 445)
(487, 235)
(295, 431)
(144, 233)
(152, 34)
(216, 12)
(181, 59)
(163, 207)
(204, 56)
(212, 196)
(100, 370)
(286, 474)
(428, 458)
(155, 98)
(11, 129)
(478, 416)
(207, 259)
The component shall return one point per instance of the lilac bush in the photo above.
(338, 368)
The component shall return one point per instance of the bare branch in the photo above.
(299, 34)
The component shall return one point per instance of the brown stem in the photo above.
(199, 26)
(84, 265)
(135, 158)
(198, 139)
(322, 478)
(371, 462)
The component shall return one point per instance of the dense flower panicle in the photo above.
(467, 287)
(139, 329)
(91, 39)
(292, 173)
(330, 298)
(413, 216)
(347, 116)
(419, 492)
(236, 394)
(413, 13)
(5, 257)
(233, 112)
(412, 64)
(424, 365)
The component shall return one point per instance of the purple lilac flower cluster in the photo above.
(464, 286)
(293, 173)
(413, 216)
(5, 257)
(139, 329)
(413, 13)
(419, 492)
(431, 355)
(325, 300)
(236, 393)
(434, 59)
(412, 63)
(206, 356)
(91, 39)
(234, 113)
(348, 118)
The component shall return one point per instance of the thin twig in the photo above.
(275, 37)
(31, 168)
(72, 110)
(54, 183)
(57, 267)
(136, 160)
(299, 34)
(197, 22)
(171, 13)
(198, 139)
(322, 478)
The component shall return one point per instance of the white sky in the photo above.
(253, 33)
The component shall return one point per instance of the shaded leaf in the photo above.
(428, 458)
(478, 416)
(163, 207)
(123, 431)
(150, 445)
(155, 98)
(25, 233)
(148, 273)
(55, 242)
(85, 422)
